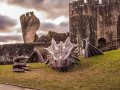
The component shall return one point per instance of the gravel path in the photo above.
(8, 87)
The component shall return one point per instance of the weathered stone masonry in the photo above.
(98, 21)
(10, 51)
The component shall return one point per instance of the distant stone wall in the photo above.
(10, 51)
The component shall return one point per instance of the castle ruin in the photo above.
(98, 20)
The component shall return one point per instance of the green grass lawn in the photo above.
(96, 73)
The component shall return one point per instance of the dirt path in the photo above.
(8, 87)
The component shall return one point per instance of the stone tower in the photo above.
(97, 20)
(29, 24)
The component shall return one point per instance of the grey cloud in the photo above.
(6, 23)
(47, 26)
(54, 8)
(26, 3)
(62, 28)
(10, 38)
(64, 24)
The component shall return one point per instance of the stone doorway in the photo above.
(101, 42)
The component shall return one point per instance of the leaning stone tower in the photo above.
(29, 24)
(98, 20)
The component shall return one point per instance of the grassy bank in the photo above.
(96, 73)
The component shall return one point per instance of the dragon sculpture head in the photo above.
(62, 56)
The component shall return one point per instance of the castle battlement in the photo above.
(96, 2)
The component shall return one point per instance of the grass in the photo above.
(96, 73)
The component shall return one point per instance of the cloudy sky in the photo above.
(53, 15)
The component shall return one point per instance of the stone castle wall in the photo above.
(10, 51)
(100, 21)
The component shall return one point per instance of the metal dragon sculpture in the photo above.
(62, 56)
